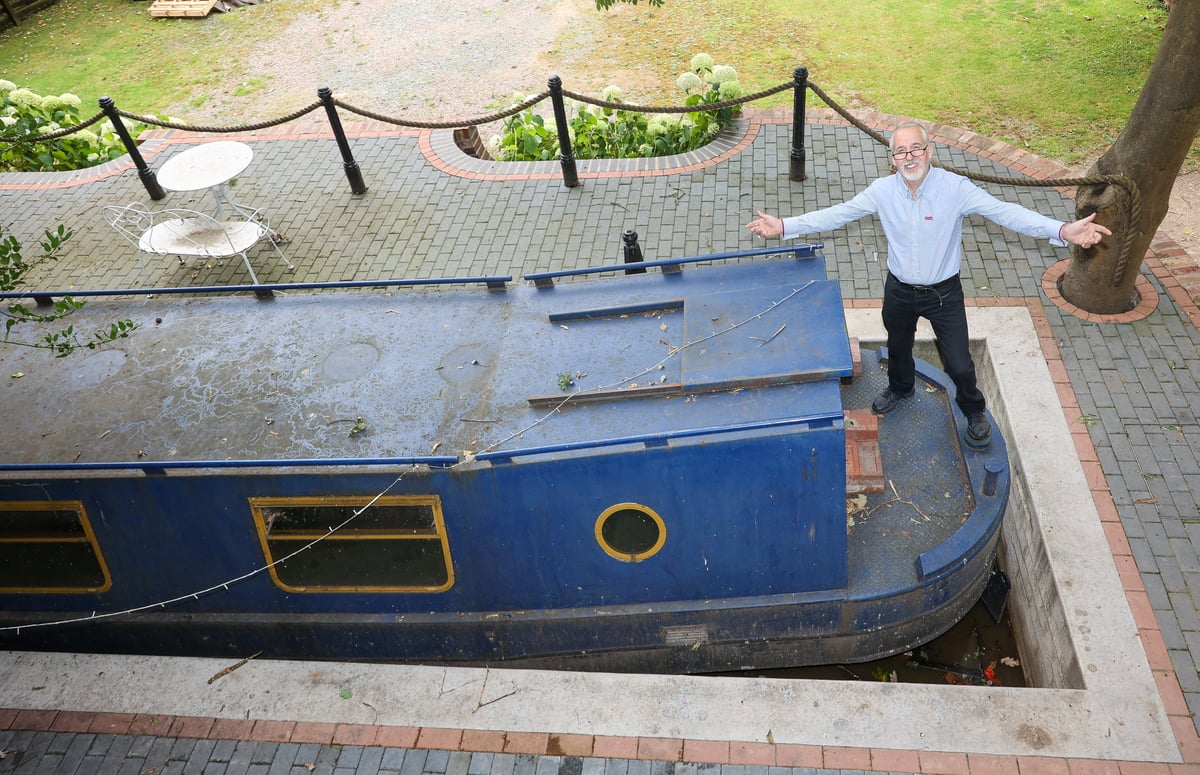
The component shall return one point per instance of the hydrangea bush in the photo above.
(613, 133)
(26, 114)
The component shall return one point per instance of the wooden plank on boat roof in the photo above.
(764, 339)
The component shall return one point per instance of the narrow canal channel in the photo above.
(978, 651)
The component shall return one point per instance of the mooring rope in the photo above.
(708, 106)
(221, 129)
(53, 135)
(455, 124)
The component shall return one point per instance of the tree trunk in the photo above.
(1150, 151)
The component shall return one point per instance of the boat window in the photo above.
(630, 532)
(355, 544)
(48, 546)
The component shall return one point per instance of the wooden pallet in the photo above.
(182, 7)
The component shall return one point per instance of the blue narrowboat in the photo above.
(591, 469)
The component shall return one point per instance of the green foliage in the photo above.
(612, 133)
(26, 115)
(14, 267)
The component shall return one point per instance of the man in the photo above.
(921, 208)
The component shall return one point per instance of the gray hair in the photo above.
(908, 125)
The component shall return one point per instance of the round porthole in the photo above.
(630, 532)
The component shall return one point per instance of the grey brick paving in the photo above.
(1137, 382)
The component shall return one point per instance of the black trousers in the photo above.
(942, 305)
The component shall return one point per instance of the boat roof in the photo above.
(440, 371)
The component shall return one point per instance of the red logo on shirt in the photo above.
(929, 217)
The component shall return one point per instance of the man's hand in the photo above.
(766, 225)
(1083, 232)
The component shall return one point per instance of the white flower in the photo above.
(688, 81)
(50, 128)
(661, 125)
(71, 99)
(6, 86)
(701, 62)
(51, 103)
(7, 120)
(611, 94)
(730, 90)
(24, 98)
(722, 73)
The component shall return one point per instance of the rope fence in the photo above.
(797, 153)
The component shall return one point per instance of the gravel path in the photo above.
(433, 59)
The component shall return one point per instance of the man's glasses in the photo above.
(916, 150)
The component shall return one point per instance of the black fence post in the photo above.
(353, 173)
(633, 252)
(570, 175)
(145, 174)
(796, 162)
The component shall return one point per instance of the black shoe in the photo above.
(979, 431)
(887, 400)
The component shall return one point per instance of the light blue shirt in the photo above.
(924, 232)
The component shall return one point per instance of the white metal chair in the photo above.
(181, 232)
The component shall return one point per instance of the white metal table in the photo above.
(208, 166)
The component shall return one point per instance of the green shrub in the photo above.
(27, 115)
(13, 268)
(613, 133)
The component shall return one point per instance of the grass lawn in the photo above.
(1058, 77)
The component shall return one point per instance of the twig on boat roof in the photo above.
(762, 341)
(890, 501)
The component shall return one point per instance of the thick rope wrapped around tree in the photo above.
(1130, 186)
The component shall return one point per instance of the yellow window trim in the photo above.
(88, 537)
(438, 533)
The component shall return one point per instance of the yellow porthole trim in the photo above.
(624, 556)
